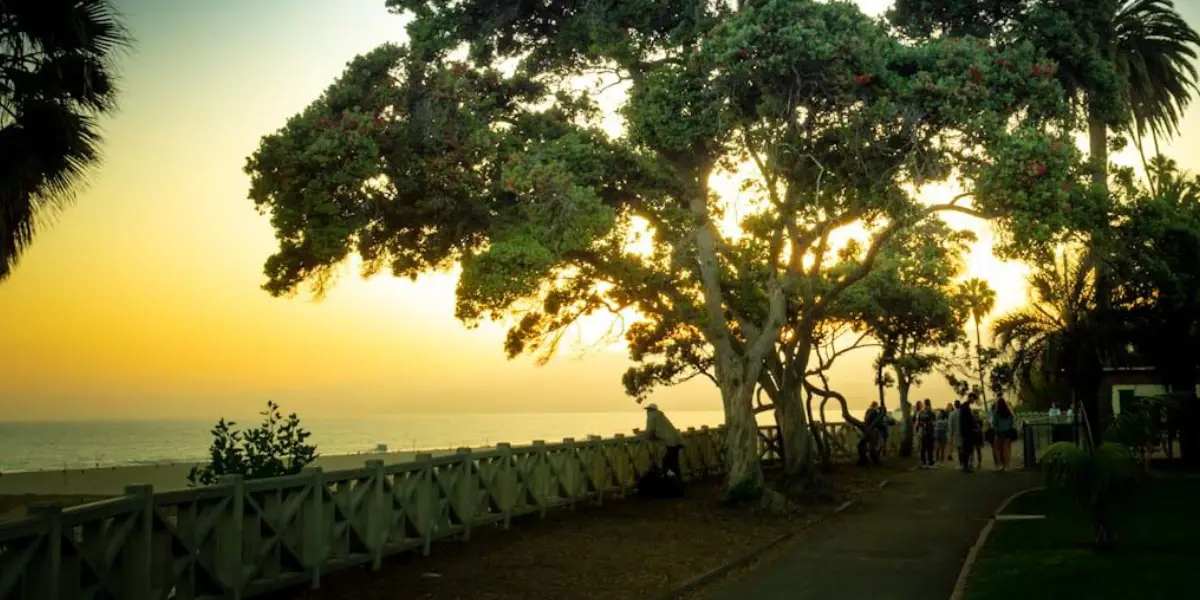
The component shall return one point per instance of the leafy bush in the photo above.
(1107, 479)
(277, 447)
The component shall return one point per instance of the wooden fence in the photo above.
(239, 538)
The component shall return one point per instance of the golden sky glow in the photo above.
(143, 300)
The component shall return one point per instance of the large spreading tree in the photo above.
(481, 145)
(1126, 66)
(908, 305)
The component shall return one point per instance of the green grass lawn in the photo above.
(1158, 553)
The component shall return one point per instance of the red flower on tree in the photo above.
(743, 54)
(862, 79)
(1038, 169)
(976, 74)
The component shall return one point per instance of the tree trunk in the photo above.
(979, 365)
(820, 444)
(794, 436)
(743, 471)
(906, 413)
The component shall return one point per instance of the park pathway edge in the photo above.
(750, 556)
(960, 586)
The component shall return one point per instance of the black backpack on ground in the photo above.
(656, 484)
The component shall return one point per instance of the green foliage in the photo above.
(483, 145)
(57, 79)
(1057, 336)
(1125, 64)
(1105, 481)
(907, 303)
(1156, 250)
(276, 447)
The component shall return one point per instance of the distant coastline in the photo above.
(102, 458)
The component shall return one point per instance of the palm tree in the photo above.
(56, 80)
(1052, 336)
(979, 300)
(1152, 48)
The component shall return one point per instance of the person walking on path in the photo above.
(941, 430)
(955, 431)
(1004, 426)
(977, 437)
(926, 421)
(966, 428)
(659, 427)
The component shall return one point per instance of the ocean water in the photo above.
(37, 446)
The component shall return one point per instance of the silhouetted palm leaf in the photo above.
(1047, 336)
(56, 80)
(1154, 49)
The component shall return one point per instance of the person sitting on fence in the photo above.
(659, 427)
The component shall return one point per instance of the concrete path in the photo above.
(907, 542)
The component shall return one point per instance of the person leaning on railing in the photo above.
(659, 427)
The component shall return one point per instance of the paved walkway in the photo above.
(907, 542)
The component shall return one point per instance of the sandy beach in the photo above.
(111, 481)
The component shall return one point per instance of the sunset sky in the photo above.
(143, 300)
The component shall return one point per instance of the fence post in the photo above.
(45, 574)
(465, 492)
(377, 522)
(540, 466)
(314, 525)
(425, 505)
(706, 452)
(598, 470)
(568, 476)
(508, 484)
(231, 536)
(625, 459)
(138, 552)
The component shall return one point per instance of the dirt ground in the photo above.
(622, 550)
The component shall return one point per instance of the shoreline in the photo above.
(111, 481)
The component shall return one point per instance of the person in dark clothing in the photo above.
(868, 453)
(926, 421)
(966, 424)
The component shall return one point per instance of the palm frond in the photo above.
(1155, 49)
(57, 80)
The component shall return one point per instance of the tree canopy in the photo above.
(482, 144)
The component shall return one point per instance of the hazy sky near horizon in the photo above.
(144, 299)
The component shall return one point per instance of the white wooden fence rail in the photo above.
(238, 539)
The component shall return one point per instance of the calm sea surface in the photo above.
(58, 445)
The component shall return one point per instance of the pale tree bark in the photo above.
(737, 365)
